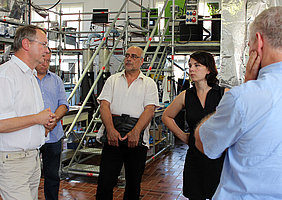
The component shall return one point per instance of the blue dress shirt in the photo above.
(248, 123)
(54, 95)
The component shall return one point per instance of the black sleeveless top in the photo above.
(195, 112)
(201, 175)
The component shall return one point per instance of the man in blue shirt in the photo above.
(54, 97)
(248, 121)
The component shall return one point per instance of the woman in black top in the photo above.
(201, 175)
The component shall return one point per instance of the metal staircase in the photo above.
(154, 67)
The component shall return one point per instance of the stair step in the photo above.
(92, 134)
(98, 120)
(91, 151)
(67, 154)
(83, 169)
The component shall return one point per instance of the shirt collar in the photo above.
(48, 73)
(274, 67)
(141, 75)
(22, 65)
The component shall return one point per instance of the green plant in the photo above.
(213, 8)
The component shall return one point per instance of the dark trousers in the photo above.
(51, 153)
(113, 158)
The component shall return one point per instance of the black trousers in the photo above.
(51, 153)
(113, 158)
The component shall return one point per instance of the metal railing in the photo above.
(88, 66)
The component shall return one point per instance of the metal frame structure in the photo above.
(154, 69)
(75, 166)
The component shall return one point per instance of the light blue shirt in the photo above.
(54, 95)
(248, 123)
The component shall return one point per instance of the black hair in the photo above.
(207, 59)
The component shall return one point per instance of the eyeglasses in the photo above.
(133, 56)
(44, 44)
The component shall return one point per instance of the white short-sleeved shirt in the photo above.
(130, 100)
(20, 96)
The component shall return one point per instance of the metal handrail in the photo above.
(161, 59)
(162, 64)
(84, 135)
(94, 84)
(157, 50)
(97, 51)
(138, 4)
(155, 28)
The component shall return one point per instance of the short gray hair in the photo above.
(28, 31)
(142, 51)
(269, 24)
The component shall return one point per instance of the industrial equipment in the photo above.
(191, 12)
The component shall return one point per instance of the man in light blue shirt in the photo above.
(54, 97)
(248, 121)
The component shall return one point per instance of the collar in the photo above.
(48, 73)
(141, 75)
(22, 65)
(274, 67)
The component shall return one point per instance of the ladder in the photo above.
(154, 67)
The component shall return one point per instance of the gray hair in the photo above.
(269, 24)
(28, 31)
(136, 47)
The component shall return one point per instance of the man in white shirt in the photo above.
(22, 117)
(133, 94)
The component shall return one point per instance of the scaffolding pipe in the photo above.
(157, 50)
(112, 12)
(162, 67)
(126, 32)
(84, 135)
(120, 67)
(155, 28)
(96, 52)
(138, 4)
(81, 173)
(162, 57)
(93, 86)
(85, 101)
(137, 26)
(157, 154)
(60, 39)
